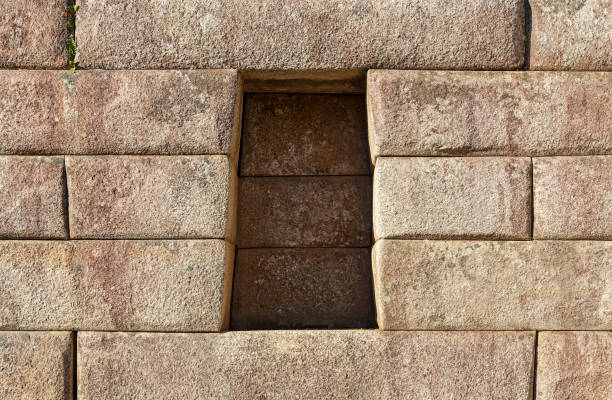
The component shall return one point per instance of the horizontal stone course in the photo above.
(36, 365)
(465, 285)
(115, 285)
(573, 197)
(306, 365)
(289, 35)
(442, 113)
(458, 198)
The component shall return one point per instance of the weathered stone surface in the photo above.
(302, 288)
(286, 35)
(32, 202)
(459, 198)
(33, 34)
(305, 81)
(306, 365)
(116, 285)
(305, 212)
(36, 365)
(151, 197)
(467, 285)
(572, 197)
(571, 35)
(304, 134)
(574, 365)
(427, 113)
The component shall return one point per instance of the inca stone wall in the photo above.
(305, 200)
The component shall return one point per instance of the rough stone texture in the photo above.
(302, 288)
(438, 113)
(305, 212)
(306, 365)
(459, 198)
(33, 34)
(304, 134)
(32, 203)
(36, 365)
(571, 35)
(115, 285)
(467, 285)
(151, 197)
(574, 365)
(286, 35)
(573, 197)
(305, 81)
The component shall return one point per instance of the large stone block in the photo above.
(464, 285)
(32, 198)
(571, 35)
(441, 113)
(179, 197)
(36, 365)
(459, 198)
(116, 285)
(306, 365)
(290, 35)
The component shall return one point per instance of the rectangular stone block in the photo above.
(442, 113)
(305, 212)
(458, 198)
(306, 365)
(302, 288)
(33, 34)
(32, 198)
(304, 134)
(36, 365)
(126, 197)
(465, 285)
(574, 365)
(573, 197)
(290, 35)
(116, 285)
(345, 81)
(571, 35)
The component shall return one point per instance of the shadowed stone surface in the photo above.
(304, 134)
(303, 288)
(286, 35)
(571, 35)
(441, 113)
(305, 81)
(573, 197)
(116, 285)
(306, 365)
(493, 285)
(32, 201)
(36, 365)
(33, 34)
(151, 197)
(305, 212)
(574, 365)
(459, 198)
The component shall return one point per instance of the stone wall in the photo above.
(194, 213)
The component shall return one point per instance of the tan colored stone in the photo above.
(127, 197)
(573, 197)
(305, 212)
(33, 34)
(441, 113)
(459, 198)
(116, 285)
(574, 365)
(290, 35)
(465, 285)
(305, 81)
(306, 365)
(32, 202)
(36, 365)
(571, 35)
(302, 288)
(304, 134)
